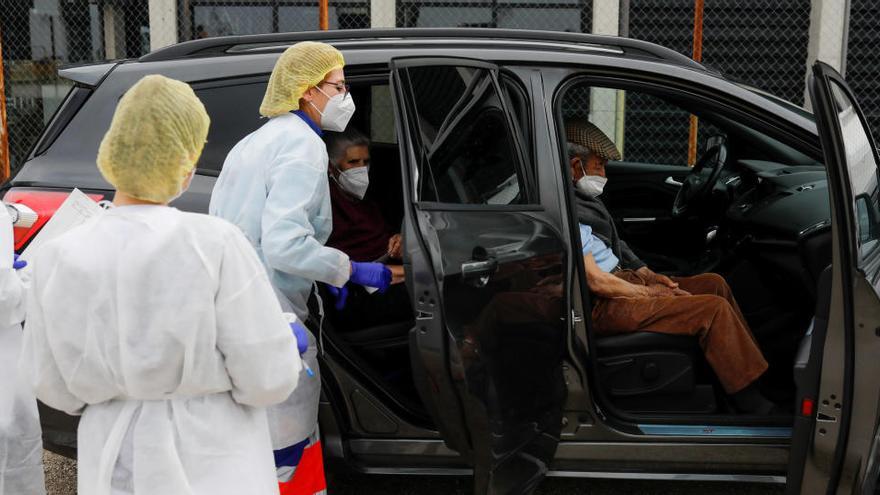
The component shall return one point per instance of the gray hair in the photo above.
(338, 142)
(579, 150)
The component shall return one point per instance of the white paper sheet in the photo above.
(74, 211)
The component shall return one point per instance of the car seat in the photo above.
(650, 372)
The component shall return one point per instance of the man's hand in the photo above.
(395, 249)
(658, 290)
(652, 278)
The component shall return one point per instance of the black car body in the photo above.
(469, 157)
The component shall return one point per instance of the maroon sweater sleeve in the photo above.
(359, 230)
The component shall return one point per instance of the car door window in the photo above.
(646, 128)
(862, 168)
(466, 144)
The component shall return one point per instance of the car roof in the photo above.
(366, 51)
(402, 38)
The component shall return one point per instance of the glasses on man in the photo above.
(340, 86)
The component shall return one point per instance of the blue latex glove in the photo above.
(371, 275)
(302, 337)
(340, 294)
(18, 264)
(302, 342)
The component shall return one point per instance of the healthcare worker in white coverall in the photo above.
(274, 186)
(21, 442)
(159, 326)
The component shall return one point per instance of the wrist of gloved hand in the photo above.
(371, 275)
(302, 336)
(340, 294)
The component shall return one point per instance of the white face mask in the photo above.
(337, 112)
(355, 181)
(592, 185)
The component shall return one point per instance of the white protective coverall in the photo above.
(21, 443)
(161, 328)
(274, 186)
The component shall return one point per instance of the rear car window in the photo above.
(234, 112)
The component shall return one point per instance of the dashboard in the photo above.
(774, 200)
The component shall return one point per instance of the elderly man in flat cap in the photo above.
(630, 297)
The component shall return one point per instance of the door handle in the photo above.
(672, 182)
(479, 268)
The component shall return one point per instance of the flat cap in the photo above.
(584, 133)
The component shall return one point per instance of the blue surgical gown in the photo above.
(274, 187)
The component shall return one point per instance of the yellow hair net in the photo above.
(155, 139)
(300, 67)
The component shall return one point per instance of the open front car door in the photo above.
(834, 447)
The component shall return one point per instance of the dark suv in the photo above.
(469, 156)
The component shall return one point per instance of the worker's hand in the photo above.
(371, 275)
(17, 263)
(395, 249)
(653, 278)
(302, 337)
(340, 294)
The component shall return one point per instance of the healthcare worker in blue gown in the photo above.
(274, 186)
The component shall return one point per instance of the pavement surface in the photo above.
(61, 480)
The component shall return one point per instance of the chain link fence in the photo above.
(555, 15)
(763, 43)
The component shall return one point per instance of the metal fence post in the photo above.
(4, 129)
(607, 105)
(163, 23)
(114, 32)
(383, 13)
(323, 15)
(698, 56)
(828, 37)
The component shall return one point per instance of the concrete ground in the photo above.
(61, 480)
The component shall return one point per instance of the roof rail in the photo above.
(222, 45)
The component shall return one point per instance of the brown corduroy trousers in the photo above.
(710, 314)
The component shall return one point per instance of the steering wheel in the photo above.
(701, 180)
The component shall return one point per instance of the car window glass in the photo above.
(519, 107)
(645, 128)
(382, 115)
(467, 149)
(862, 168)
(234, 112)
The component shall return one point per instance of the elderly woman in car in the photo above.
(361, 232)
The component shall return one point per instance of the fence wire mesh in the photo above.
(553, 15)
(863, 58)
(763, 43)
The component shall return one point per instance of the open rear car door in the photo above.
(835, 442)
(485, 272)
